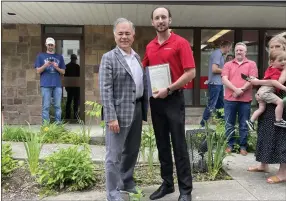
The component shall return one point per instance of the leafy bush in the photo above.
(93, 110)
(148, 146)
(12, 133)
(136, 197)
(8, 163)
(251, 142)
(69, 168)
(216, 143)
(57, 133)
(33, 145)
(53, 132)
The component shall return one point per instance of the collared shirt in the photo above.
(272, 73)
(218, 59)
(176, 51)
(136, 71)
(233, 70)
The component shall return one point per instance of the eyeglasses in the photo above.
(50, 44)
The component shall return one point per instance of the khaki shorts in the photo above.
(267, 94)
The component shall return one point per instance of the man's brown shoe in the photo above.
(243, 152)
(228, 150)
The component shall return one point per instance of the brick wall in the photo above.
(21, 96)
(21, 43)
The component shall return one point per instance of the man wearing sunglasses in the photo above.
(50, 66)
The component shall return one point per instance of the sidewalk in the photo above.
(245, 186)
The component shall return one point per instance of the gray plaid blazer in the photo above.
(118, 90)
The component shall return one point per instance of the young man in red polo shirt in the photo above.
(167, 104)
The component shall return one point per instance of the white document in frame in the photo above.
(159, 76)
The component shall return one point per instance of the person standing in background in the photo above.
(51, 67)
(238, 96)
(229, 57)
(73, 93)
(215, 86)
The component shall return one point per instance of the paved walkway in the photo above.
(245, 186)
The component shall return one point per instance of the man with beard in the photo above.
(238, 96)
(51, 67)
(167, 104)
(123, 93)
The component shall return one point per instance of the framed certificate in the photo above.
(159, 76)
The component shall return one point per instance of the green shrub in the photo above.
(70, 168)
(148, 146)
(93, 111)
(136, 197)
(57, 133)
(33, 145)
(8, 163)
(251, 142)
(217, 142)
(52, 132)
(14, 133)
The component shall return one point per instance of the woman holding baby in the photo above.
(271, 141)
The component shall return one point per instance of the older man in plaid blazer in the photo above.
(123, 91)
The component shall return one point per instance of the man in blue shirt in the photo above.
(215, 86)
(51, 67)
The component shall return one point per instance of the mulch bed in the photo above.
(20, 185)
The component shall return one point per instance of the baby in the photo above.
(266, 93)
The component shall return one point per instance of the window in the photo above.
(210, 40)
(70, 51)
(62, 30)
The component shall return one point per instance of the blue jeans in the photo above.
(47, 93)
(215, 101)
(231, 109)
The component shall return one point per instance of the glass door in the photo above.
(210, 41)
(70, 50)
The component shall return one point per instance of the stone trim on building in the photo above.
(21, 96)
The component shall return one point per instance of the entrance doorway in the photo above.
(70, 50)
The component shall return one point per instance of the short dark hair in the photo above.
(225, 43)
(169, 12)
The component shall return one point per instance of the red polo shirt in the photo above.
(232, 70)
(176, 51)
(272, 73)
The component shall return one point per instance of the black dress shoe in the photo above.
(161, 192)
(185, 197)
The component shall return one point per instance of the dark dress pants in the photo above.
(168, 117)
